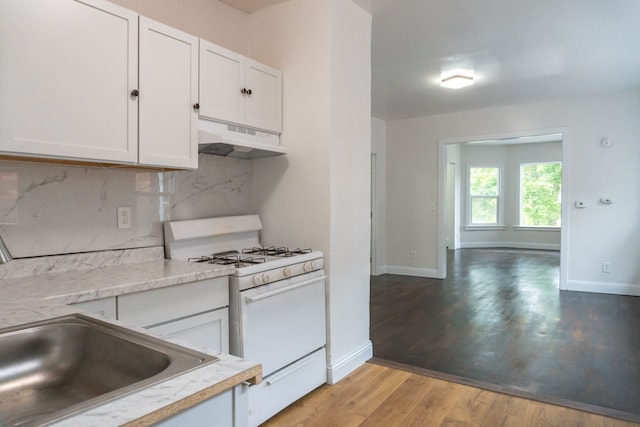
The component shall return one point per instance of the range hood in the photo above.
(224, 139)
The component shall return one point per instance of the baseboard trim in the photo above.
(412, 271)
(604, 287)
(342, 368)
(514, 245)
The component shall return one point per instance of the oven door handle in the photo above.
(283, 290)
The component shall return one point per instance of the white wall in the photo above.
(318, 195)
(211, 20)
(379, 157)
(595, 234)
(509, 157)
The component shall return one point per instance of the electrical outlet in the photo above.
(124, 217)
(606, 267)
(414, 254)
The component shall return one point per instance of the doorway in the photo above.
(456, 230)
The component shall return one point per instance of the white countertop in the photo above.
(43, 296)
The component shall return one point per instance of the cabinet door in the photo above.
(168, 91)
(67, 68)
(215, 412)
(221, 83)
(207, 330)
(263, 108)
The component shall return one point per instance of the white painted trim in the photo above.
(413, 271)
(514, 245)
(484, 227)
(342, 368)
(534, 228)
(604, 287)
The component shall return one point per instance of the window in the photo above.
(540, 185)
(484, 195)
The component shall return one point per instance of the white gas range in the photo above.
(276, 308)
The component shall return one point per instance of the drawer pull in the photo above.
(288, 371)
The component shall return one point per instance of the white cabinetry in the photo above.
(66, 70)
(196, 313)
(70, 75)
(168, 117)
(228, 409)
(239, 90)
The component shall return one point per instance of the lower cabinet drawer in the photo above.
(156, 306)
(207, 330)
(283, 387)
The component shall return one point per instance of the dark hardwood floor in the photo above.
(499, 320)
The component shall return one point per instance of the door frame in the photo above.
(442, 182)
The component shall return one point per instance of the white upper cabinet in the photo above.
(168, 115)
(263, 103)
(239, 90)
(221, 79)
(80, 79)
(66, 71)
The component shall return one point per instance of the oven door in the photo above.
(283, 321)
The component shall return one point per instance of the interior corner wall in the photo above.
(595, 234)
(292, 191)
(350, 187)
(318, 195)
(211, 20)
(379, 153)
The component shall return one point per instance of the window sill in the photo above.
(484, 227)
(534, 228)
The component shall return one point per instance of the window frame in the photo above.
(522, 226)
(499, 224)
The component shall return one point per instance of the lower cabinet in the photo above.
(228, 409)
(195, 313)
(208, 330)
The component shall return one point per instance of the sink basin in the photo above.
(58, 367)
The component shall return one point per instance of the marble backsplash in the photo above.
(52, 209)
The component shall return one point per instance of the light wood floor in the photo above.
(375, 395)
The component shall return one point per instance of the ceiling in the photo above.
(519, 50)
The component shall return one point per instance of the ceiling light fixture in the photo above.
(457, 81)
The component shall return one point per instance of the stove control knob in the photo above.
(315, 265)
(257, 280)
(265, 278)
(287, 272)
(306, 266)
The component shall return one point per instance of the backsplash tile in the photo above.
(51, 209)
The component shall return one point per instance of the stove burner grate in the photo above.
(281, 251)
(228, 258)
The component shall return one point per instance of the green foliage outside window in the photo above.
(484, 191)
(540, 185)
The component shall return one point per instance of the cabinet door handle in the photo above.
(243, 91)
(196, 106)
(249, 92)
(135, 93)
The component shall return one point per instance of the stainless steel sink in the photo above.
(58, 367)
